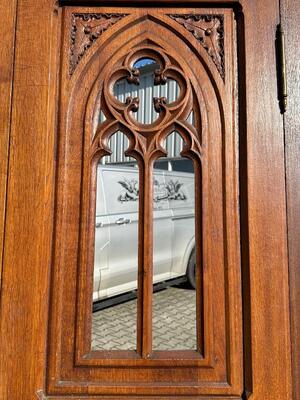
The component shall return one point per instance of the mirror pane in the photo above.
(116, 233)
(115, 253)
(174, 297)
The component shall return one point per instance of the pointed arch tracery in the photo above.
(146, 137)
(103, 49)
(146, 145)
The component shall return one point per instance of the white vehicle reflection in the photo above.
(116, 227)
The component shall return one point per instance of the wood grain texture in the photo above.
(290, 17)
(44, 397)
(27, 252)
(146, 33)
(158, 3)
(7, 46)
(270, 335)
(25, 276)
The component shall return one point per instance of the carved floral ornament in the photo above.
(208, 29)
(86, 28)
(146, 139)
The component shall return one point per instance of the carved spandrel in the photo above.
(209, 31)
(86, 29)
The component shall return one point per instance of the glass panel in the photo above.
(115, 254)
(191, 118)
(174, 298)
(118, 144)
(146, 91)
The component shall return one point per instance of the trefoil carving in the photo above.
(86, 28)
(208, 29)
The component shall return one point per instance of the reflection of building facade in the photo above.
(146, 113)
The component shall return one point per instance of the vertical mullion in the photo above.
(145, 260)
(199, 257)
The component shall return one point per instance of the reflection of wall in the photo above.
(146, 113)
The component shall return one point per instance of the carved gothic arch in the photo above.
(80, 148)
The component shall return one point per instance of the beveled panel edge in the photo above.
(7, 50)
(142, 2)
(80, 361)
(42, 396)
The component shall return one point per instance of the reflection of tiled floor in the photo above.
(174, 325)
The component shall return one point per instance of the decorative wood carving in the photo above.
(48, 210)
(145, 145)
(149, 33)
(85, 29)
(177, 112)
(209, 31)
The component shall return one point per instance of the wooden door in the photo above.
(69, 56)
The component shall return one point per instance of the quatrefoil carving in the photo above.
(168, 112)
(146, 140)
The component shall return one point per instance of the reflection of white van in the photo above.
(116, 229)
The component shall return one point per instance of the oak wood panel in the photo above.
(290, 13)
(28, 233)
(72, 114)
(7, 46)
(144, 333)
(42, 396)
(270, 336)
(25, 279)
(205, 3)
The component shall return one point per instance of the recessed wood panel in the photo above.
(46, 290)
(195, 47)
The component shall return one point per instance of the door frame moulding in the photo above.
(270, 340)
(7, 49)
(88, 71)
(290, 15)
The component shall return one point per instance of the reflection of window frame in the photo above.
(168, 160)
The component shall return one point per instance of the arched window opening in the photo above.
(116, 249)
(174, 253)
